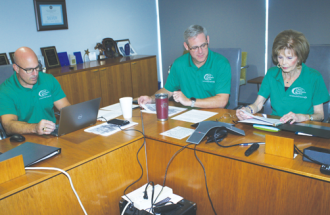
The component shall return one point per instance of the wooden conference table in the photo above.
(102, 167)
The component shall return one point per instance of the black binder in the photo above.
(32, 153)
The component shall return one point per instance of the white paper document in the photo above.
(195, 116)
(260, 120)
(111, 112)
(151, 108)
(178, 132)
(106, 129)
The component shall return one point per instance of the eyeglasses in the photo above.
(195, 48)
(29, 70)
(227, 117)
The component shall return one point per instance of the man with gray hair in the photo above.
(200, 78)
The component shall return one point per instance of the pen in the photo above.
(249, 144)
(304, 134)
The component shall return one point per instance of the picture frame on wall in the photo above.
(51, 57)
(4, 59)
(50, 15)
(11, 55)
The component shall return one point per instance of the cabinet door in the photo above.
(144, 77)
(85, 86)
(115, 83)
(65, 83)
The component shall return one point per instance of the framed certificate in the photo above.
(50, 14)
(50, 56)
(11, 55)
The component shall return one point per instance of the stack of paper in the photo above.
(111, 112)
(151, 108)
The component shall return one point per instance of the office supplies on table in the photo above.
(195, 116)
(172, 110)
(32, 153)
(315, 130)
(251, 149)
(266, 128)
(75, 117)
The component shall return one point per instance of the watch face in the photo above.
(193, 99)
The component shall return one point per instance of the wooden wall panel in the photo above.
(235, 187)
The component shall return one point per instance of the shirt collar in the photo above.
(19, 85)
(279, 76)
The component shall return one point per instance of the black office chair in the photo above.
(234, 56)
(3, 134)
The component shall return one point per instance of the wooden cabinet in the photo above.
(116, 82)
(143, 78)
(110, 79)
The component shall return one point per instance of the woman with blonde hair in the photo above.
(297, 92)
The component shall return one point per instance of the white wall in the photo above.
(89, 22)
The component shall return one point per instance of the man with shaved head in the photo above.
(27, 98)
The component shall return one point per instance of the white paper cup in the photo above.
(126, 106)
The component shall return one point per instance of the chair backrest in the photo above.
(242, 80)
(318, 59)
(234, 56)
(5, 72)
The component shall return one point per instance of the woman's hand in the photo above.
(241, 115)
(294, 118)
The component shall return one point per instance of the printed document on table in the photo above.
(178, 132)
(106, 129)
(195, 116)
(111, 112)
(151, 108)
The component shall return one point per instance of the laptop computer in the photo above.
(78, 116)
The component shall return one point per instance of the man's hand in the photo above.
(178, 96)
(45, 127)
(144, 100)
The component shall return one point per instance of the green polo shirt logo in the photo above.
(209, 78)
(298, 92)
(43, 94)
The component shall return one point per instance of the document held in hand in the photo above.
(261, 120)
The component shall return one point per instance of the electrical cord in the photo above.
(125, 208)
(137, 157)
(67, 175)
(175, 154)
(207, 189)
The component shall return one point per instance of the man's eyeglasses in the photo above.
(195, 48)
(30, 70)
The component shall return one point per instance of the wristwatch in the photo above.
(310, 117)
(193, 100)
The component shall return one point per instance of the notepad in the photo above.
(32, 153)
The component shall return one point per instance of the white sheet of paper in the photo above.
(195, 116)
(178, 132)
(106, 129)
(111, 111)
(172, 110)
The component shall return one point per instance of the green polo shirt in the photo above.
(30, 105)
(307, 91)
(212, 78)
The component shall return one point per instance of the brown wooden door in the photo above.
(115, 83)
(144, 77)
